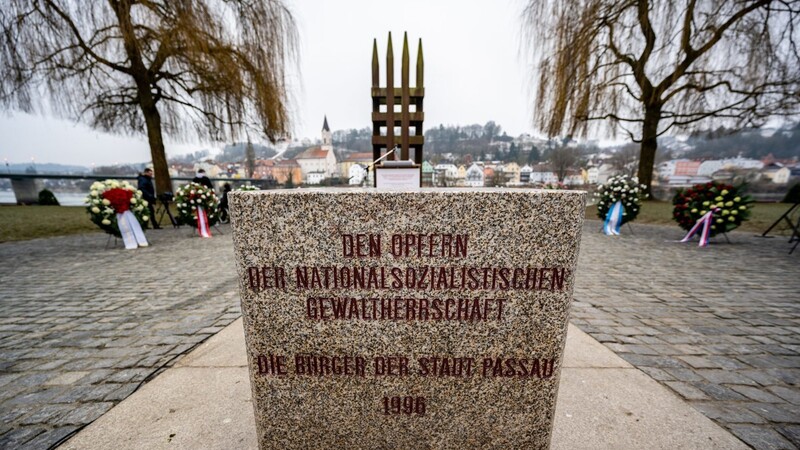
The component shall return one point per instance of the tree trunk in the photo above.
(147, 101)
(647, 157)
(153, 121)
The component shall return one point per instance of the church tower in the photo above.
(327, 139)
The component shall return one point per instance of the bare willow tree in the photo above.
(561, 159)
(183, 68)
(651, 67)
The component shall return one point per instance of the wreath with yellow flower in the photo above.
(730, 206)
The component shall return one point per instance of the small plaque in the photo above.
(398, 177)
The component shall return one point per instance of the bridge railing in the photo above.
(26, 186)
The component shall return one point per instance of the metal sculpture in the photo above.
(407, 141)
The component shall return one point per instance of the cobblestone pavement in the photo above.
(720, 326)
(82, 327)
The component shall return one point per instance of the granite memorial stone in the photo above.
(398, 319)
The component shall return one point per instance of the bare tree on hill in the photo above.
(182, 68)
(561, 159)
(648, 67)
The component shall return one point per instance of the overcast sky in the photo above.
(473, 74)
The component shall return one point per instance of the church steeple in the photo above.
(327, 138)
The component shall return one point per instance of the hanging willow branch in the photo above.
(648, 67)
(189, 68)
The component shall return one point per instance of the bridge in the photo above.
(26, 186)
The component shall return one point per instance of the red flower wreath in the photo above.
(120, 199)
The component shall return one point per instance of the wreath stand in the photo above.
(109, 241)
(630, 228)
(795, 227)
(195, 233)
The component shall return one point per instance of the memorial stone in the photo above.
(399, 319)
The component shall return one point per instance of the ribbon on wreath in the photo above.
(704, 222)
(202, 223)
(613, 220)
(130, 230)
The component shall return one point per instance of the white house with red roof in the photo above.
(318, 162)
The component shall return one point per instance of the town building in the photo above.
(263, 169)
(511, 173)
(360, 159)
(776, 173)
(446, 174)
(319, 162)
(428, 174)
(474, 176)
(542, 174)
(287, 169)
(358, 175)
(525, 174)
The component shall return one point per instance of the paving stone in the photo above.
(761, 438)
(760, 376)
(791, 432)
(46, 440)
(718, 391)
(790, 394)
(604, 338)
(756, 394)
(644, 339)
(722, 376)
(687, 391)
(18, 437)
(787, 376)
(777, 413)
(37, 396)
(122, 392)
(10, 415)
(7, 378)
(124, 376)
(629, 339)
(651, 361)
(46, 414)
(682, 374)
(729, 412)
(771, 361)
(67, 378)
(84, 413)
(699, 362)
(657, 374)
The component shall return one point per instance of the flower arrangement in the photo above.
(248, 187)
(111, 197)
(730, 208)
(192, 195)
(556, 185)
(620, 188)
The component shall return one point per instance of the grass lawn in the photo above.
(761, 217)
(29, 222)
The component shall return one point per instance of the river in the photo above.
(65, 198)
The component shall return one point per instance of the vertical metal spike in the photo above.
(390, 98)
(404, 72)
(404, 100)
(420, 65)
(375, 65)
